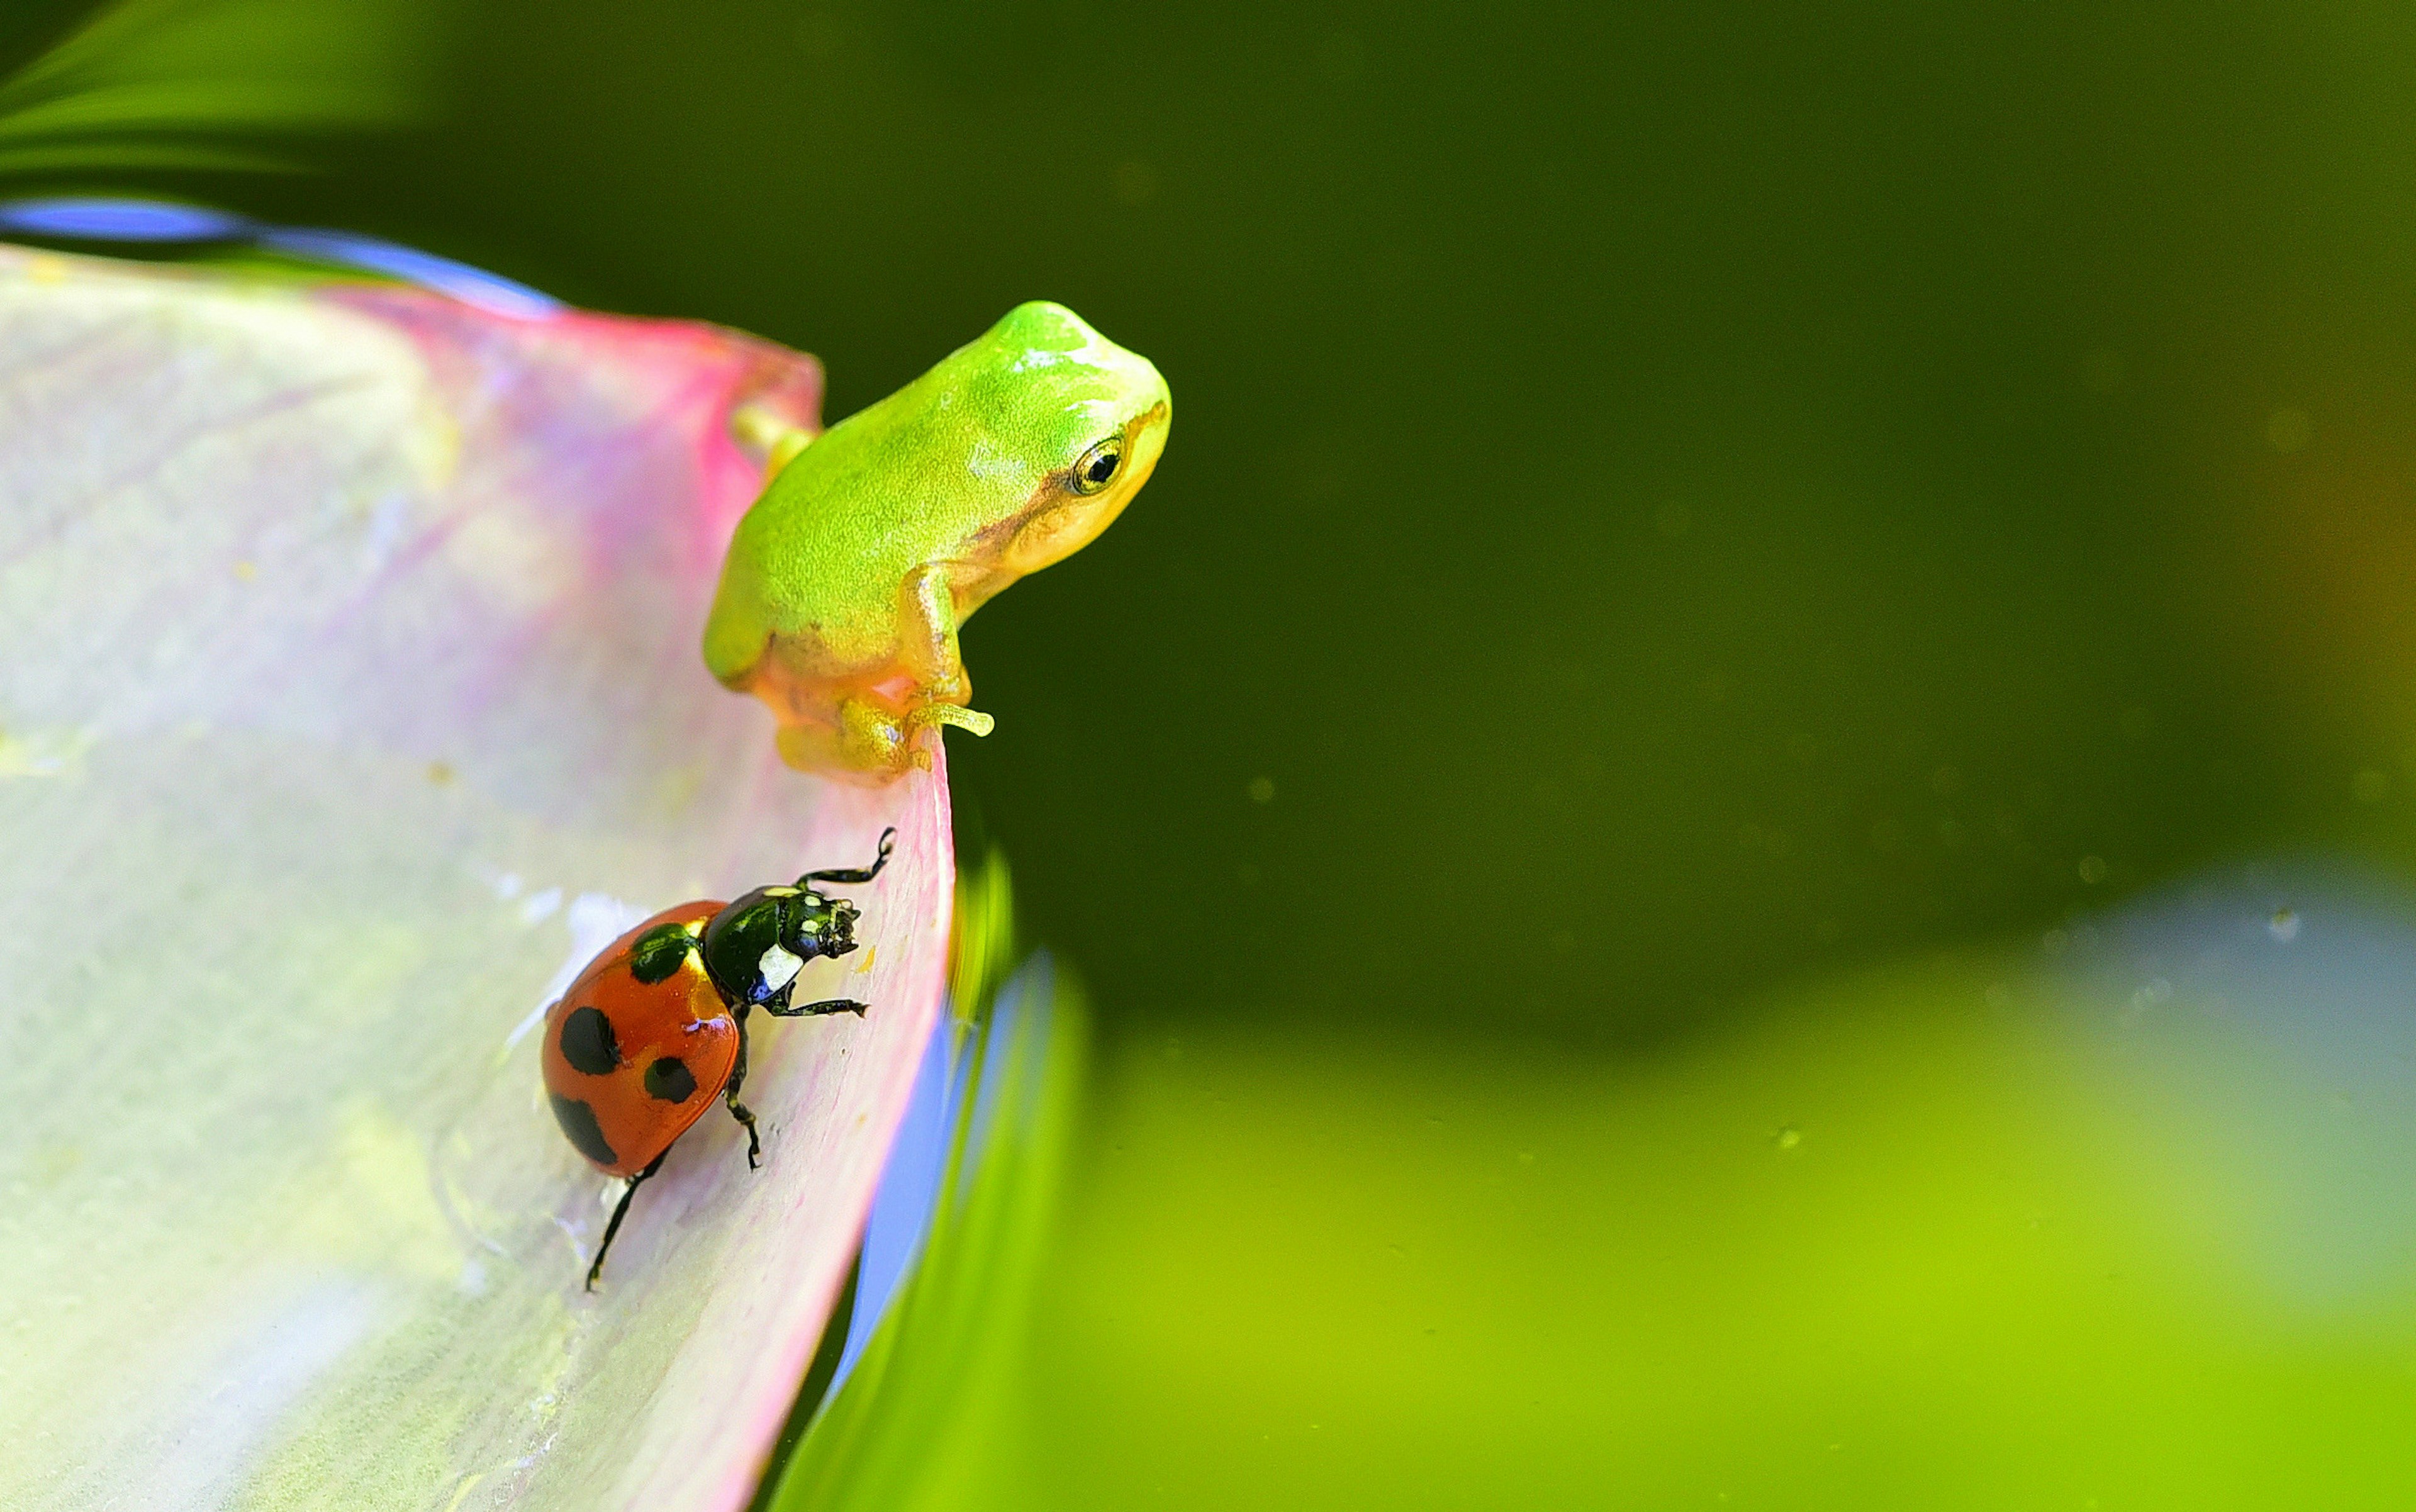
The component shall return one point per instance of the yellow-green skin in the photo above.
(846, 583)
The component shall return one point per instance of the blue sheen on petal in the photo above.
(137, 220)
(910, 1188)
(472, 286)
(160, 222)
(916, 1179)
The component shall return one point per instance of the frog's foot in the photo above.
(870, 743)
(867, 745)
(771, 435)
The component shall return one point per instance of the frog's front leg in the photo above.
(927, 652)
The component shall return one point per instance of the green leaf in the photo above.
(190, 83)
(934, 1405)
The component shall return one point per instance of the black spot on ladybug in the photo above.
(661, 952)
(578, 1121)
(587, 1042)
(669, 1080)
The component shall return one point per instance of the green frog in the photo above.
(873, 543)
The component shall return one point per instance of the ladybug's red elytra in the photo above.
(655, 1029)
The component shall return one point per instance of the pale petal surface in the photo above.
(352, 699)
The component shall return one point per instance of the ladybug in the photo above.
(655, 1029)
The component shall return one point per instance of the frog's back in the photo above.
(818, 561)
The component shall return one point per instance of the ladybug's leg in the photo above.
(618, 1214)
(799, 1010)
(738, 1109)
(888, 843)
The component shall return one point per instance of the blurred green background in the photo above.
(1694, 537)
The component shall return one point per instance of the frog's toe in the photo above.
(963, 718)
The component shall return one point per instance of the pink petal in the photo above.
(352, 698)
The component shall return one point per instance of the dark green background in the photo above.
(1672, 497)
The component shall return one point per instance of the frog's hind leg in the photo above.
(866, 741)
(869, 741)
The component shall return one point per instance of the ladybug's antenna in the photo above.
(888, 842)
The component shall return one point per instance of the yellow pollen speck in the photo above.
(440, 773)
(43, 752)
(246, 571)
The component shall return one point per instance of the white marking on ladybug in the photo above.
(780, 968)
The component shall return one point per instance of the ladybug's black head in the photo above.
(836, 921)
(755, 946)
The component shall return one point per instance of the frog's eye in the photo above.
(1096, 467)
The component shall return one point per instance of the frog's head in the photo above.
(1076, 420)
